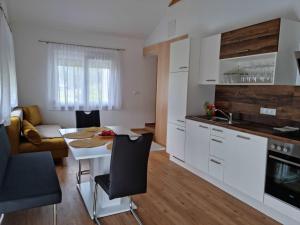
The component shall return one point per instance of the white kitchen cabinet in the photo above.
(209, 59)
(177, 101)
(216, 168)
(180, 56)
(218, 147)
(176, 141)
(197, 145)
(245, 163)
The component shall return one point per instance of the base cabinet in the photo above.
(237, 158)
(245, 164)
(197, 145)
(216, 168)
(176, 141)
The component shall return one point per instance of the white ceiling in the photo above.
(134, 18)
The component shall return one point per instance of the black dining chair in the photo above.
(86, 119)
(26, 180)
(128, 170)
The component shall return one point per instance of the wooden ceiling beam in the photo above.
(173, 2)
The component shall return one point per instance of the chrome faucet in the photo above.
(227, 115)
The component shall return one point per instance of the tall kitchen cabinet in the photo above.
(177, 97)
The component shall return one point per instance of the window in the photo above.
(83, 78)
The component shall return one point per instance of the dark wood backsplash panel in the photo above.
(245, 102)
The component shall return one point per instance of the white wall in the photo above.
(138, 75)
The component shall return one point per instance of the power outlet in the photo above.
(268, 111)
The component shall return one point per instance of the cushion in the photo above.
(30, 133)
(32, 114)
(30, 181)
(49, 131)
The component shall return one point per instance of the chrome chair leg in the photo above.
(95, 206)
(1, 218)
(133, 213)
(54, 214)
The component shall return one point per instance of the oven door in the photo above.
(283, 178)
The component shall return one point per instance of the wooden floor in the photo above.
(175, 196)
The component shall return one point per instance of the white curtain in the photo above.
(8, 80)
(83, 78)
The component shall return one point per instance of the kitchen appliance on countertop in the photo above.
(283, 172)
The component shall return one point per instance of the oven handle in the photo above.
(284, 161)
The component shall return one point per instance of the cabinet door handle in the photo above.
(218, 141)
(244, 50)
(216, 162)
(183, 67)
(180, 129)
(243, 137)
(204, 127)
(211, 80)
(214, 129)
(181, 121)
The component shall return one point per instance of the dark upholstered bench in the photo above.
(26, 180)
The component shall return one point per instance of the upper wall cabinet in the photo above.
(258, 54)
(180, 56)
(252, 40)
(209, 59)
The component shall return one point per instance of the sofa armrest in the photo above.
(14, 132)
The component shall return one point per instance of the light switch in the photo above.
(268, 111)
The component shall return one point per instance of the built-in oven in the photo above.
(283, 172)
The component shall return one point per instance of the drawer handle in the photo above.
(243, 137)
(180, 129)
(216, 162)
(211, 80)
(181, 121)
(214, 129)
(203, 126)
(218, 141)
(183, 67)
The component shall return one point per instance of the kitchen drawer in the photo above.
(217, 147)
(216, 168)
(218, 131)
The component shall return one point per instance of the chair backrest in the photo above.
(88, 119)
(4, 152)
(129, 165)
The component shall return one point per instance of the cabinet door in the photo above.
(197, 145)
(256, 39)
(180, 56)
(176, 141)
(177, 102)
(209, 59)
(245, 164)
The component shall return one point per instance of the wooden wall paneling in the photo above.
(162, 52)
(246, 101)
